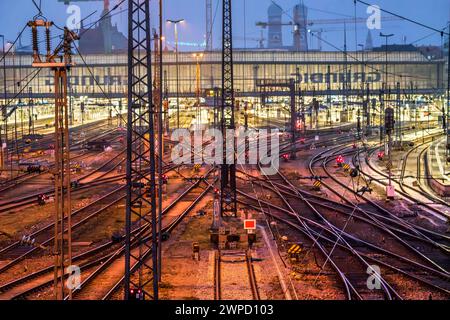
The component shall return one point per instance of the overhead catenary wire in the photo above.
(20, 91)
(97, 84)
(406, 19)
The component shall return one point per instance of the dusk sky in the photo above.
(434, 13)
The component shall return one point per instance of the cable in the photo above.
(13, 44)
(358, 60)
(214, 20)
(20, 92)
(407, 19)
(98, 85)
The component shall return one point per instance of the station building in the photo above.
(319, 73)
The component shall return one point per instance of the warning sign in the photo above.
(250, 224)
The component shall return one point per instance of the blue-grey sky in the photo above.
(436, 13)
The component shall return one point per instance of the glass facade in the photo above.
(316, 70)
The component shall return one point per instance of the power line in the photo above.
(21, 90)
(407, 19)
(358, 60)
(96, 82)
(13, 44)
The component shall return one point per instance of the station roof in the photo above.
(256, 57)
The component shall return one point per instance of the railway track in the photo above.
(410, 235)
(96, 260)
(23, 178)
(237, 257)
(419, 195)
(318, 229)
(112, 271)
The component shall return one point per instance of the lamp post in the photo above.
(175, 23)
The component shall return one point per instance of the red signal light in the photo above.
(340, 160)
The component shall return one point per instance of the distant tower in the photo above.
(106, 27)
(275, 36)
(300, 27)
(369, 41)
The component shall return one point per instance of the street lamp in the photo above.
(175, 23)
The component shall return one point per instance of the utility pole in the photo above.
(166, 103)
(209, 25)
(385, 83)
(3, 112)
(61, 172)
(160, 139)
(141, 254)
(448, 99)
(293, 117)
(398, 122)
(177, 67)
(228, 199)
(330, 122)
(198, 89)
(389, 124)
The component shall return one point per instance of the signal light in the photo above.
(340, 160)
(135, 294)
(216, 191)
(380, 155)
(285, 157)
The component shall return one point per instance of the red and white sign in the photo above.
(250, 224)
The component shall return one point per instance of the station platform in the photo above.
(438, 168)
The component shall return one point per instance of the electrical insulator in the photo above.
(48, 41)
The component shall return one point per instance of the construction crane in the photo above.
(322, 22)
(259, 41)
(319, 32)
(300, 26)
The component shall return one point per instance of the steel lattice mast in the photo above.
(141, 280)
(228, 170)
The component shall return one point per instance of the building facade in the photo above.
(316, 71)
